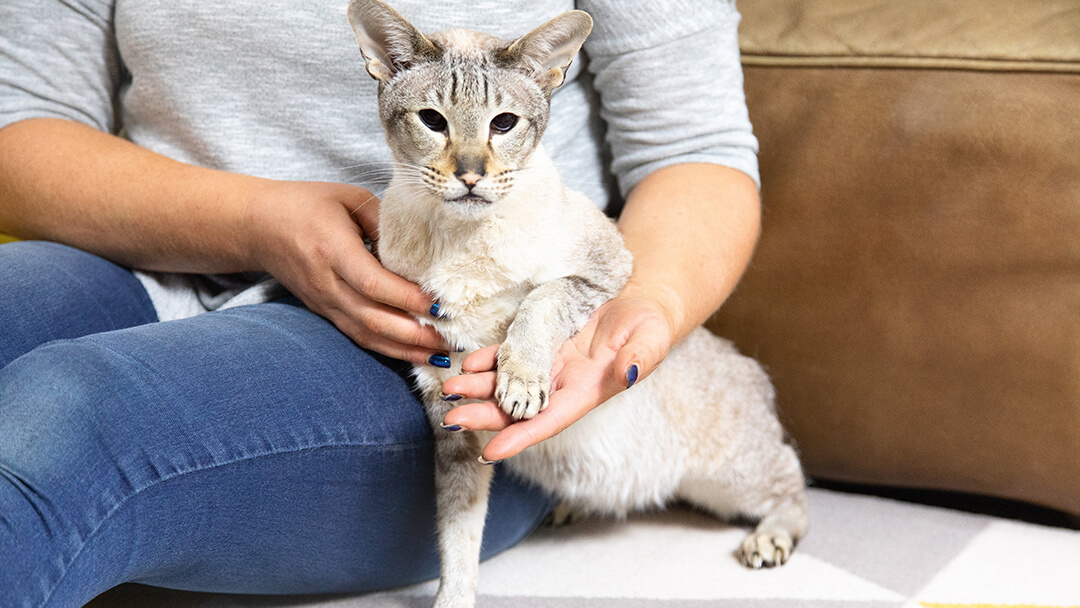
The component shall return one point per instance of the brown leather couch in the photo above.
(916, 290)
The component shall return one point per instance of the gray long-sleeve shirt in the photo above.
(278, 89)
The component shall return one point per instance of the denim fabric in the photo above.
(254, 450)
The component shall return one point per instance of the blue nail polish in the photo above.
(439, 361)
(434, 310)
(453, 428)
(631, 375)
(450, 397)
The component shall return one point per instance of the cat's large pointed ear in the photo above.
(389, 42)
(548, 50)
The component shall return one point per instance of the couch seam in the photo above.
(765, 59)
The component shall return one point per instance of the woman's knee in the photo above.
(63, 415)
(63, 469)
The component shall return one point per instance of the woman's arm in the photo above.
(70, 183)
(692, 229)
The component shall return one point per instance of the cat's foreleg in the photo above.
(549, 316)
(461, 494)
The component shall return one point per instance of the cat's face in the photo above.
(463, 111)
(463, 127)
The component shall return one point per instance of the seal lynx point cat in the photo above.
(477, 215)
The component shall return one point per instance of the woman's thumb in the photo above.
(646, 347)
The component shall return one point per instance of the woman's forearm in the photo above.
(692, 229)
(67, 182)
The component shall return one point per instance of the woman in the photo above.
(276, 447)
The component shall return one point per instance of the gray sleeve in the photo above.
(58, 59)
(670, 84)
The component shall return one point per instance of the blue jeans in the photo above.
(254, 450)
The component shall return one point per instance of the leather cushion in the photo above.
(916, 290)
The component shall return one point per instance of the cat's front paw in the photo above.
(454, 598)
(520, 387)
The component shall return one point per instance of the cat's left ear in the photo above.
(547, 51)
(389, 42)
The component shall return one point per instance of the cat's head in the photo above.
(463, 111)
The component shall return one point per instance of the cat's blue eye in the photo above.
(503, 122)
(432, 120)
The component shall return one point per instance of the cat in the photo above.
(477, 215)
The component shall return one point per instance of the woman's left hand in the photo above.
(622, 343)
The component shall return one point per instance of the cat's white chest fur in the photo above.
(478, 271)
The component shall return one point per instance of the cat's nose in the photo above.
(469, 169)
(471, 178)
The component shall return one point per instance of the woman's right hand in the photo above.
(310, 237)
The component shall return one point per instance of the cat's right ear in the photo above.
(389, 42)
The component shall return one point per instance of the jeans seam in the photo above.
(97, 527)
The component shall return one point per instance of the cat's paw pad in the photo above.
(522, 392)
(765, 550)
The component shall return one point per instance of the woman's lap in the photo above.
(58, 292)
(252, 450)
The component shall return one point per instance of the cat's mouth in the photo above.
(471, 199)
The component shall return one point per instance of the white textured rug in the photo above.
(862, 552)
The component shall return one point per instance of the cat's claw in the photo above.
(765, 550)
(522, 394)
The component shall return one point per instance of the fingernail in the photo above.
(450, 397)
(486, 462)
(434, 310)
(631, 375)
(453, 428)
(442, 361)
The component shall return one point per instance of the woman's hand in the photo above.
(691, 228)
(621, 344)
(310, 237)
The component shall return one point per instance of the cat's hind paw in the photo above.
(765, 550)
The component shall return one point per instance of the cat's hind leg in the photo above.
(774, 538)
(770, 491)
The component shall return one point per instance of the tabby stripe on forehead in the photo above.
(453, 86)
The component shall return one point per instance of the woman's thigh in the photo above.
(253, 450)
(50, 291)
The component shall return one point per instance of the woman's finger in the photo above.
(565, 408)
(377, 319)
(412, 353)
(479, 416)
(481, 360)
(471, 386)
(363, 273)
(646, 347)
